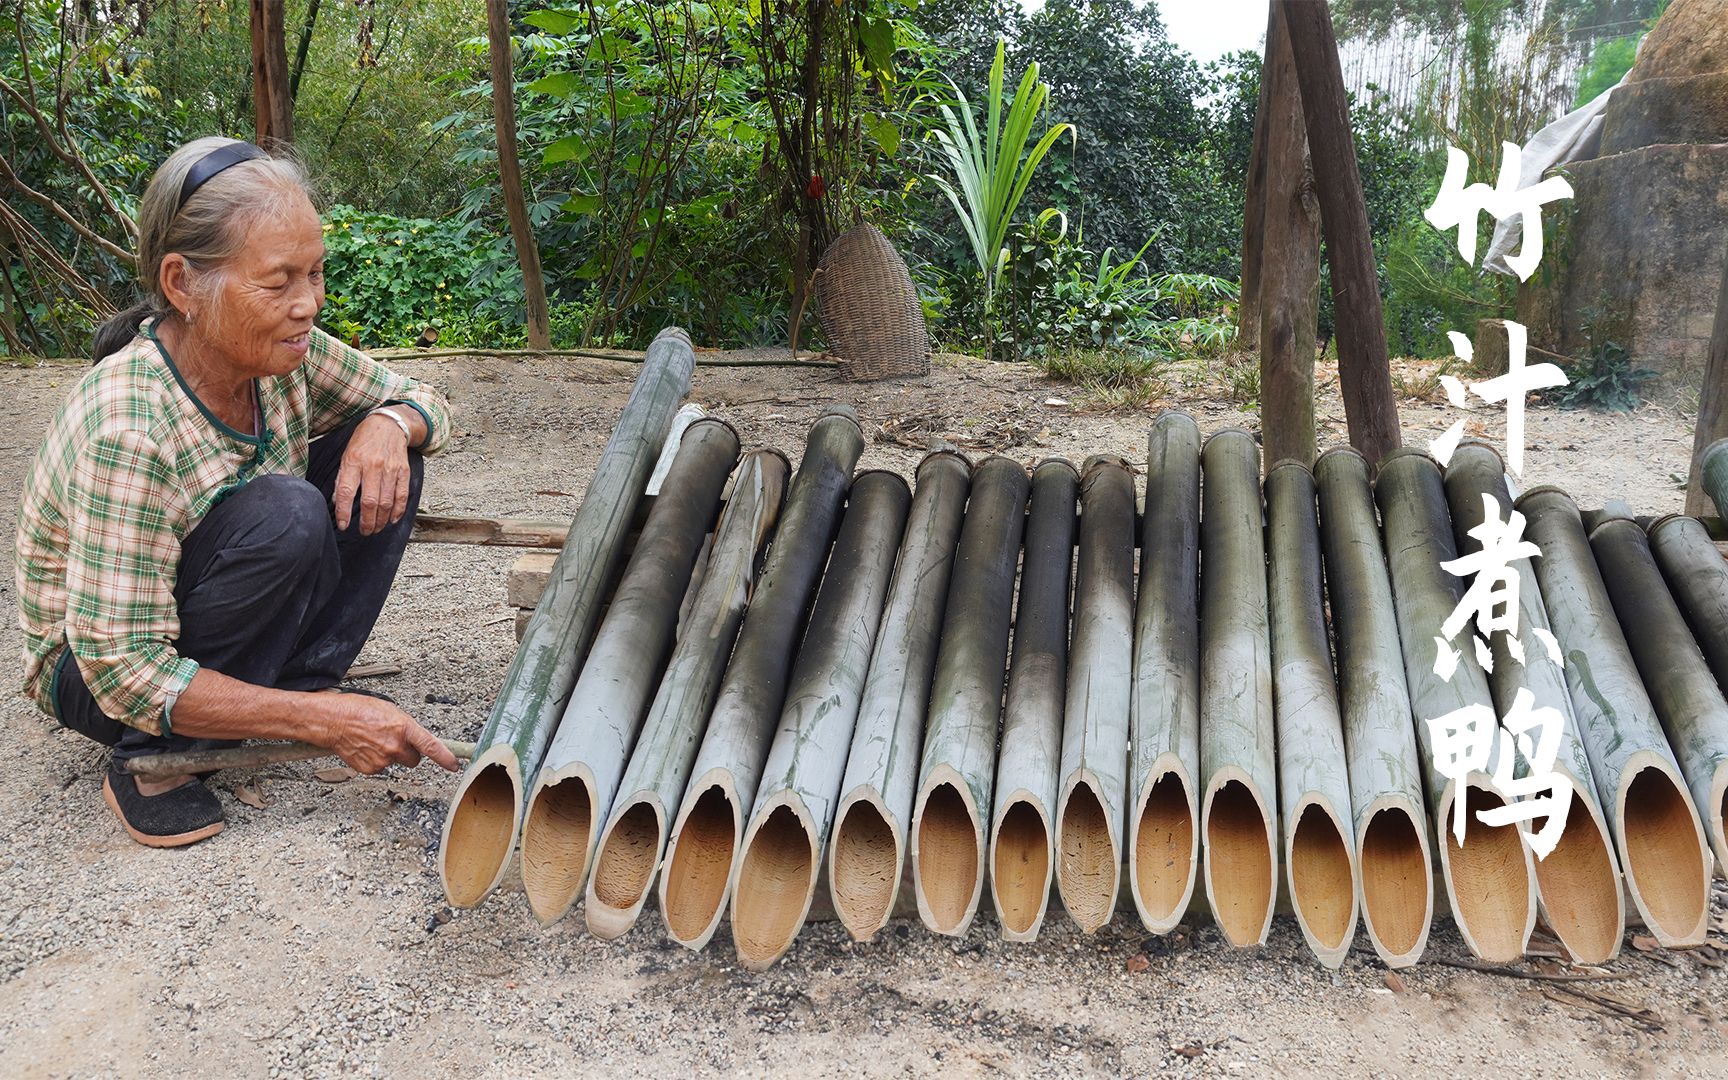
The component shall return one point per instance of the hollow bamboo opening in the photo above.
(1164, 850)
(701, 863)
(555, 842)
(624, 865)
(1321, 885)
(1239, 863)
(1664, 857)
(775, 881)
(1020, 866)
(478, 838)
(1397, 884)
(1487, 879)
(1086, 872)
(864, 869)
(1580, 890)
(947, 858)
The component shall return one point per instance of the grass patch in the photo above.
(1110, 378)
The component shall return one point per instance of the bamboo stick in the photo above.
(1313, 779)
(695, 880)
(1697, 575)
(1489, 881)
(572, 792)
(774, 879)
(1687, 699)
(1237, 732)
(486, 809)
(957, 772)
(1100, 682)
(630, 847)
(1022, 854)
(868, 853)
(1388, 820)
(1713, 469)
(1664, 853)
(251, 756)
(1164, 710)
(1578, 882)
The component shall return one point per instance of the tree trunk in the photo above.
(271, 99)
(1712, 401)
(1363, 375)
(300, 52)
(1289, 273)
(510, 171)
(1254, 206)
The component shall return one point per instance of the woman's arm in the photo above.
(343, 382)
(368, 733)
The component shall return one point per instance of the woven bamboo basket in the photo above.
(869, 309)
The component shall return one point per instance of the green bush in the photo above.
(388, 278)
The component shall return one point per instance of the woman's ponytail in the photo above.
(116, 333)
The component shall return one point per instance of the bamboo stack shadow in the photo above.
(990, 682)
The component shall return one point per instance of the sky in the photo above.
(1207, 29)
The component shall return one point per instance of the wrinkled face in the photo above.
(269, 296)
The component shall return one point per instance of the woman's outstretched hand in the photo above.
(374, 466)
(371, 734)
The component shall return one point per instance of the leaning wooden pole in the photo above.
(1164, 711)
(696, 877)
(1489, 881)
(1578, 882)
(1022, 851)
(486, 809)
(634, 838)
(1254, 212)
(1364, 378)
(1664, 853)
(1238, 817)
(1313, 771)
(1100, 682)
(774, 879)
(1712, 422)
(1697, 575)
(502, 54)
(1389, 820)
(868, 854)
(958, 770)
(1688, 701)
(573, 789)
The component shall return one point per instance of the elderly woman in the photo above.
(216, 515)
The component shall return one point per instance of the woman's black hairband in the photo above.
(223, 157)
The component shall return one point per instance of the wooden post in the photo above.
(510, 171)
(1712, 401)
(271, 98)
(1288, 304)
(1254, 210)
(1363, 375)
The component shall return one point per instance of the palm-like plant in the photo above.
(992, 170)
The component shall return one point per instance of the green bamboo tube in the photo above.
(868, 854)
(1713, 474)
(628, 855)
(1313, 774)
(486, 809)
(1388, 820)
(1164, 710)
(573, 789)
(1578, 882)
(774, 879)
(1237, 727)
(1664, 854)
(1489, 880)
(1687, 699)
(1022, 853)
(695, 879)
(958, 769)
(1697, 575)
(1100, 682)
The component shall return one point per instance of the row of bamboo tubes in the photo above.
(846, 677)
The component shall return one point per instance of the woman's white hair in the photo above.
(207, 232)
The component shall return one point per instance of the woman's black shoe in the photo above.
(185, 815)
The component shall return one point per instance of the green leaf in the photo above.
(553, 21)
(569, 148)
(561, 84)
(581, 204)
(885, 132)
(877, 36)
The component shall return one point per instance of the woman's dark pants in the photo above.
(269, 592)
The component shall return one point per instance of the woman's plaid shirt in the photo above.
(132, 461)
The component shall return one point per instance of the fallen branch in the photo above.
(166, 766)
(587, 354)
(1533, 976)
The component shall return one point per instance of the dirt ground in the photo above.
(311, 937)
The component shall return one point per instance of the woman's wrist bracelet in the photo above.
(407, 433)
